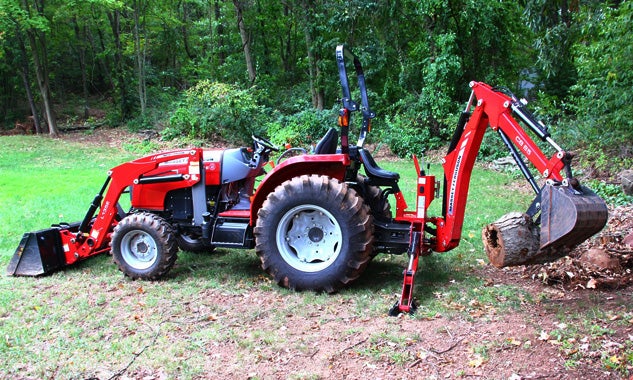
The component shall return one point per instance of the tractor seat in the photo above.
(375, 172)
(327, 144)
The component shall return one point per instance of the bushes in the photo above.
(302, 129)
(212, 109)
(412, 127)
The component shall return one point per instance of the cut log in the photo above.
(514, 240)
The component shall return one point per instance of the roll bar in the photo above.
(349, 105)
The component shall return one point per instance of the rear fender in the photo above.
(331, 165)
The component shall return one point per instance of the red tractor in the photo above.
(314, 220)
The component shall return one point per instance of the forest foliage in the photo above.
(211, 69)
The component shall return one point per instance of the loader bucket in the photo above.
(569, 216)
(39, 253)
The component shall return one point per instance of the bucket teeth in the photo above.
(569, 216)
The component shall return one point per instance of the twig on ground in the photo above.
(136, 355)
(354, 345)
(448, 349)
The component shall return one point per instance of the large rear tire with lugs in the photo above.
(144, 246)
(314, 233)
(378, 204)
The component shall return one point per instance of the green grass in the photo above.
(89, 320)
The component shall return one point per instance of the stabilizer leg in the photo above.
(406, 303)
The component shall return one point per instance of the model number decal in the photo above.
(524, 147)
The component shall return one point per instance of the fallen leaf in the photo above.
(591, 284)
(477, 362)
(615, 359)
(514, 342)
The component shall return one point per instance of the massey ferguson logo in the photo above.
(458, 164)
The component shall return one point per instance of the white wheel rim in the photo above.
(309, 238)
(139, 249)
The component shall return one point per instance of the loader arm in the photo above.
(86, 244)
(45, 251)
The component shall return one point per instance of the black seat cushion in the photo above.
(373, 170)
(327, 144)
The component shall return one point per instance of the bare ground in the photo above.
(542, 339)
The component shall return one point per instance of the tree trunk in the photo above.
(37, 40)
(285, 45)
(81, 55)
(98, 52)
(121, 86)
(219, 30)
(246, 43)
(141, 51)
(24, 73)
(317, 91)
(514, 240)
(184, 31)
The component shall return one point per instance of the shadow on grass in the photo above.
(386, 274)
(238, 265)
(228, 267)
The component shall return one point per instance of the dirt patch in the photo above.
(111, 137)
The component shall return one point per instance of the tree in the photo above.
(603, 98)
(554, 34)
(139, 10)
(30, 22)
(317, 91)
(240, 7)
(15, 51)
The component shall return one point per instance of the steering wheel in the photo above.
(265, 143)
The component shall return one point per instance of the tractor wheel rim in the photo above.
(309, 238)
(139, 249)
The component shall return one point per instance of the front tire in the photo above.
(144, 246)
(314, 233)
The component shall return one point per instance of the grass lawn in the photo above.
(219, 314)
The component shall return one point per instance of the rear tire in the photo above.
(373, 196)
(144, 246)
(314, 233)
(378, 204)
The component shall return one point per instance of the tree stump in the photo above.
(626, 176)
(514, 240)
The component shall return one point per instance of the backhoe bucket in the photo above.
(39, 253)
(569, 216)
